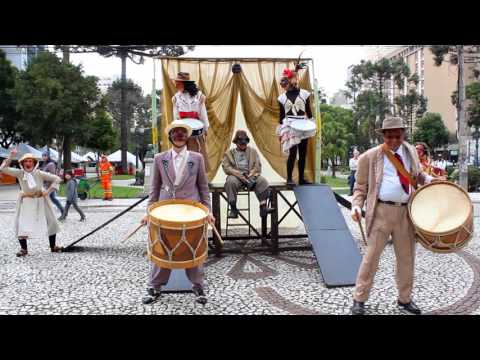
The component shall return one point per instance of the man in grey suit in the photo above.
(178, 174)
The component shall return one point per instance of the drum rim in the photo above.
(444, 233)
(186, 120)
(177, 225)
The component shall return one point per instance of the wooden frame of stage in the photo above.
(269, 241)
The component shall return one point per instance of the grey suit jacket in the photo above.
(194, 185)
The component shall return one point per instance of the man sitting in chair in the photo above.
(242, 167)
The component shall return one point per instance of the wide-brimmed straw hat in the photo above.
(178, 124)
(391, 123)
(27, 156)
(183, 76)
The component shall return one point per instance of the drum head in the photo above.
(303, 125)
(193, 123)
(178, 213)
(439, 208)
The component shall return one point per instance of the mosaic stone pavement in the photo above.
(108, 276)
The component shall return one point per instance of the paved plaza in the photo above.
(107, 276)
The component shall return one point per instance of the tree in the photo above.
(367, 86)
(100, 135)
(136, 54)
(134, 101)
(411, 106)
(365, 114)
(336, 137)
(55, 101)
(431, 130)
(8, 113)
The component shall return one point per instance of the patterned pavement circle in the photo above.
(106, 276)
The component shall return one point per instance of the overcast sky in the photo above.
(330, 62)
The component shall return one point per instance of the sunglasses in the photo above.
(392, 137)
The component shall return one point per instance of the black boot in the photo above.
(358, 308)
(199, 295)
(23, 248)
(233, 213)
(53, 247)
(152, 296)
(410, 307)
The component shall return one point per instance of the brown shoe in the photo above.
(57, 248)
(22, 253)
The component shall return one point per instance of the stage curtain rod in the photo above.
(230, 59)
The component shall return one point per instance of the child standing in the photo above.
(71, 192)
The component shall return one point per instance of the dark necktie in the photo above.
(403, 180)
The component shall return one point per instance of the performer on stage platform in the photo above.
(294, 102)
(384, 179)
(106, 173)
(178, 174)
(189, 103)
(34, 214)
(243, 168)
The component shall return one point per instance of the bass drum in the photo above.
(442, 214)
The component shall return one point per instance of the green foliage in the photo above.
(99, 134)
(473, 109)
(411, 106)
(431, 130)
(8, 114)
(336, 136)
(473, 178)
(55, 100)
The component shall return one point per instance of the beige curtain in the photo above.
(259, 90)
(215, 79)
(258, 85)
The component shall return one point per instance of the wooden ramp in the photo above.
(334, 246)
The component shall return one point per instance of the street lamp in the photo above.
(476, 136)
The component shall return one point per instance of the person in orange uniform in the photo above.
(106, 173)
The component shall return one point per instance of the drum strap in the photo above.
(399, 166)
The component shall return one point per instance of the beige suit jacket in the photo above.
(369, 178)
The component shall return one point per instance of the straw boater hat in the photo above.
(182, 76)
(178, 124)
(28, 156)
(391, 123)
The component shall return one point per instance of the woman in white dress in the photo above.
(34, 216)
(189, 103)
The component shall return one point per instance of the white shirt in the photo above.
(177, 159)
(441, 164)
(183, 101)
(391, 188)
(352, 164)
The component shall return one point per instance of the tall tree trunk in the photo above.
(67, 155)
(462, 124)
(123, 115)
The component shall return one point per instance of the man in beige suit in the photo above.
(386, 193)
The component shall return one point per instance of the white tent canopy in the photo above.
(54, 155)
(90, 156)
(22, 149)
(117, 157)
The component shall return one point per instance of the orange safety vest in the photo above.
(106, 171)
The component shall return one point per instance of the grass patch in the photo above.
(336, 182)
(96, 191)
(123, 177)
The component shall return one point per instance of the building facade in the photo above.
(436, 83)
(20, 55)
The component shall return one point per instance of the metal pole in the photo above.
(318, 148)
(477, 134)
(154, 112)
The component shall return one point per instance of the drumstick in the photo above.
(132, 233)
(218, 235)
(361, 227)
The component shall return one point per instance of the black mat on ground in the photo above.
(178, 282)
(334, 246)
